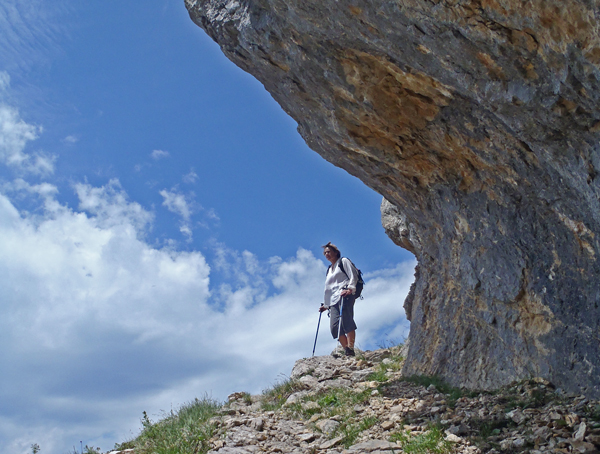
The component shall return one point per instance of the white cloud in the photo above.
(14, 136)
(71, 139)
(212, 215)
(178, 203)
(45, 190)
(159, 154)
(191, 177)
(110, 206)
(75, 287)
(98, 326)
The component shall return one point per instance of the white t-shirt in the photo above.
(337, 281)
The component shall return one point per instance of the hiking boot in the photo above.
(350, 351)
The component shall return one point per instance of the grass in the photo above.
(351, 431)
(335, 401)
(430, 442)
(247, 398)
(380, 373)
(452, 393)
(594, 413)
(338, 402)
(395, 365)
(537, 397)
(186, 431)
(308, 372)
(86, 450)
(273, 398)
(390, 344)
(487, 429)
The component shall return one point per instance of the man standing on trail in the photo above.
(340, 287)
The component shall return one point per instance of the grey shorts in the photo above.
(348, 324)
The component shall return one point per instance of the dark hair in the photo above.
(332, 246)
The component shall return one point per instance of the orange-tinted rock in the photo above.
(478, 122)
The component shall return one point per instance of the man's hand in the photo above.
(346, 292)
(322, 308)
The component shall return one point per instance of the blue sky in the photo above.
(160, 225)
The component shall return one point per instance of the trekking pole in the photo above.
(316, 335)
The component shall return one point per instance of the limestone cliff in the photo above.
(479, 121)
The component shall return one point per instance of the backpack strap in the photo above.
(342, 267)
(343, 270)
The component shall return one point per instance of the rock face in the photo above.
(479, 122)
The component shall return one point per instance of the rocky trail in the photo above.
(335, 404)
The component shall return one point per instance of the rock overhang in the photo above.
(479, 122)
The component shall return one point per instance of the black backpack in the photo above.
(360, 283)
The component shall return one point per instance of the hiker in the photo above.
(340, 287)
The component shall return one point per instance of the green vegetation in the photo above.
(430, 442)
(452, 394)
(538, 398)
(379, 375)
(190, 428)
(335, 401)
(390, 344)
(86, 450)
(308, 372)
(186, 431)
(484, 429)
(535, 397)
(351, 431)
(247, 398)
(274, 398)
(339, 403)
(489, 428)
(393, 365)
(595, 413)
